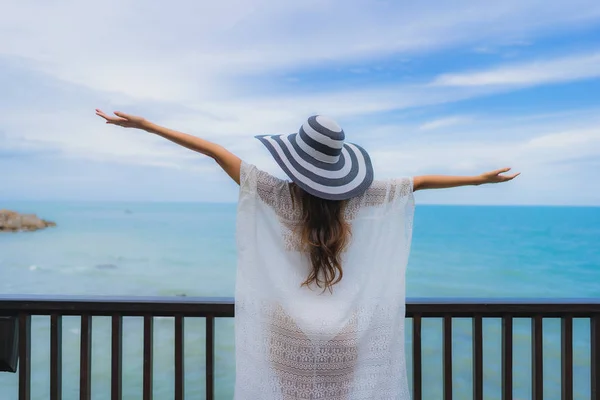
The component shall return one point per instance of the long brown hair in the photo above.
(324, 234)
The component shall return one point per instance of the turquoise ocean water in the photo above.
(168, 249)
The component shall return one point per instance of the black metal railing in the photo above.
(24, 307)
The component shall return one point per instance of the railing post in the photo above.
(24, 356)
(85, 368)
(55, 357)
(566, 341)
(210, 357)
(537, 358)
(148, 344)
(447, 350)
(477, 358)
(116, 369)
(417, 359)
(179, 357)
(595, 356)
(507, 358)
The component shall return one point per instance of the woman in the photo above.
(320, 294)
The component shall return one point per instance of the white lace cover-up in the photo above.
(295, 342)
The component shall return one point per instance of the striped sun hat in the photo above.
(319, 161)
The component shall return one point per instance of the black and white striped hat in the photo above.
(319, 161)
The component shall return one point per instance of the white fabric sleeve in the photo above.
(271, 190)
(387, 191)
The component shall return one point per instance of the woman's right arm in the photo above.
(446, 181)
(226, 160)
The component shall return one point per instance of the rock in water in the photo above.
(11, 221)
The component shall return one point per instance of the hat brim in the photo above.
(347, 178)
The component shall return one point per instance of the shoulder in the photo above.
(385, 191)
(390, 188)
(255, 179)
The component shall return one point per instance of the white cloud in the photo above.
(190, 50)
(233, 123)
(444, 122)
(564, 69)
(204, 54)
(530, 144)
(502, 46)
(77, 132)
(80, 139)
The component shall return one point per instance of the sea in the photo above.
(176, 249)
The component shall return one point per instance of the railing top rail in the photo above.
(125, 305)
(224, 306)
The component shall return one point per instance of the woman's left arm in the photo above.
(228, 161)
(445, 181)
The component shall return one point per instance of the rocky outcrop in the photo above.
(11, 221)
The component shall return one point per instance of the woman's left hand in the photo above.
(124, 120)
(498, 176)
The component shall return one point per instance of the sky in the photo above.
(437, 87)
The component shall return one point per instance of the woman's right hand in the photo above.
(124, 120)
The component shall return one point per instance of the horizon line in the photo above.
(235, 202)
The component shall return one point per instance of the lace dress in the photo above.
(295, 342)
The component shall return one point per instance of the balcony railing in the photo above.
(477, 310)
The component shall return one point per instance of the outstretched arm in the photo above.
(444, 181)
(227, 160)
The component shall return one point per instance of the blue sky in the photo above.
(457, 87)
